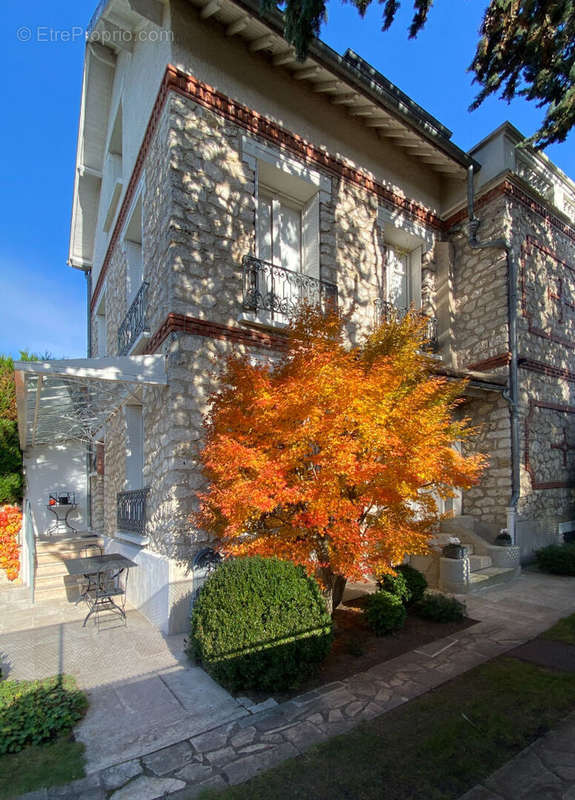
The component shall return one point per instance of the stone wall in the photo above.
(545, 256)
(546, 332)
(213, 225)
(487, 501)
(480, 290)
(157, 207)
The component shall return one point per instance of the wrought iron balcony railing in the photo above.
(276, 293)
(131, 510)
(385, 310)
(135, 322)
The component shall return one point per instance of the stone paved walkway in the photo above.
(144, 693)
(543, 771)
(232, 752)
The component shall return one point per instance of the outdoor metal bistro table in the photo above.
(107, 577)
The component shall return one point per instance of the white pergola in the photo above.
(74, 398)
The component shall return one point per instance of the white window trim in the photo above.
(416, 239)
(254, 151)
(397, 221)
(137, 198)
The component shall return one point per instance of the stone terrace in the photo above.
(158, 727)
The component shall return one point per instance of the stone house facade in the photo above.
(219, 181)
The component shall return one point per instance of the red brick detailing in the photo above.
(494, 362)
(527, 249)
(205, 95)
(546, 369)
(255, 123)
(480, 201)
(508, 188)
(533, 404)
(214, 330)
(132, 185)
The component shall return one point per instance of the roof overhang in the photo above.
(74, 398)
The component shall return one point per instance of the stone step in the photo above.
(477, 563)
(55, 581)
(45, 592)
(56, 546)
(51, 567)
(488, 577)
(42, 596)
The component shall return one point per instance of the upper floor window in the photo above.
(279, 234)
(133, 247)
(134, 447)
(284, 269)
(397, 273)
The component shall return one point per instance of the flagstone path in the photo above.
(257, 737)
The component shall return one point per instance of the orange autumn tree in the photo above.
(334, 456)
(10, 524)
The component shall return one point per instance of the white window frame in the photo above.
(133, 243)
(134, 476)
(404, 234)
(255, 154)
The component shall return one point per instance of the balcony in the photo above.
(134, 328)
(385, 311)
(131, 511)
(275, 294)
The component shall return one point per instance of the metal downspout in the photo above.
(89, 449)
(512, 395)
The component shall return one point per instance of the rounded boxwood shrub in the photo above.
(260, 623)
(384, 612)
(558, 559)
(416, 582)
(397, 585)
(440, 608)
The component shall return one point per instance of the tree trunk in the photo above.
(333, 587)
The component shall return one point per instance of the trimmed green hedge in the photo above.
(384, 612)
(397, 585)
(558, 559)
(416, 582)
(33, 712)
(260, 623)
(440, 608)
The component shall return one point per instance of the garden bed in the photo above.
(356, 648)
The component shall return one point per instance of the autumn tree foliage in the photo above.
(10, 524)
(334, 456)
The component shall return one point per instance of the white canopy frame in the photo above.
(74, 398)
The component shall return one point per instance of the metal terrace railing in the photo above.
(135, 322)
(276, 293)
(385, 310)
(131, 510)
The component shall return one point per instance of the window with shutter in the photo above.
(134, 447)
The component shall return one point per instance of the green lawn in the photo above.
(562, 631)
(50, 764)
(433, 748)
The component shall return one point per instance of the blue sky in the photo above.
(43, 300)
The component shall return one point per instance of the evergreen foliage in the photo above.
(526, 48)
(260, 623)
(384, 613)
